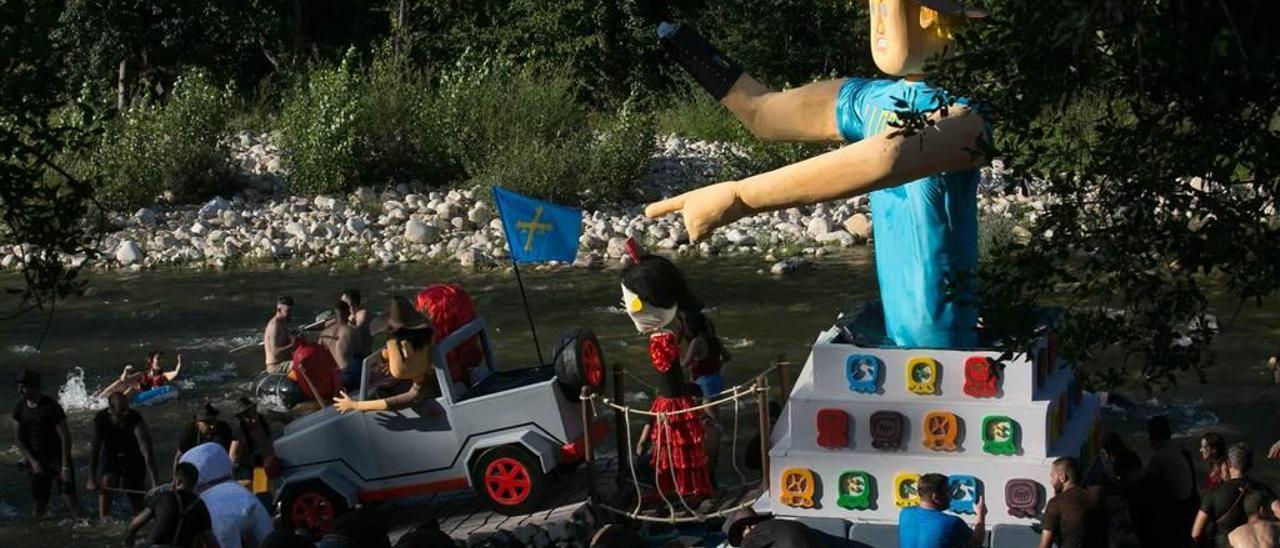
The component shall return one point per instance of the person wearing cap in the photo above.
(207, 427)
(41, 434)
(913, 150)
(744, 528)
(254, 448)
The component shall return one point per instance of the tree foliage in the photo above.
(1152, 129)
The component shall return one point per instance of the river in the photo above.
(202, 315)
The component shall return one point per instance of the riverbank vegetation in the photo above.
(1152, 130)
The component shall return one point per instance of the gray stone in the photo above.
(788, 265)
(420, 232)
(617, 247)
(214, 207)
(296, 230)
(738, 236)
(365, 194)
(480, 214)
(325, 203)
(844, 239)
(128, 253)
(199, 229)
(356, 225)
(859, 225)
(818, 226)
(231, 219)
(145, 218)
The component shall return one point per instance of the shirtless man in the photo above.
(1259, 531)
(276, 344)
(359, 319)
(341, 340)
(408, 357)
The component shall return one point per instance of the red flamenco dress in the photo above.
(679, 457)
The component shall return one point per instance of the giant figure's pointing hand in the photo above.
(923, 183)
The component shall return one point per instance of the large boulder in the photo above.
(818, 226)
(419, 232)
(128, 253)
(859, 225)
(145, 218)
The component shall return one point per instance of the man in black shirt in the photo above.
(1074, 517)
(207, 427)
(181, 517)
(122, 445)
(40, 430)
(1223, 509)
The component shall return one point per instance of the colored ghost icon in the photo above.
(855, 490)
(999, 435)
(833, 428)
(980, 377)
(941, 428)
(797, 488)
(864, 373)
(887, 428)
(1023, 497)
(922, 376)
(964, 493)
(906, 489)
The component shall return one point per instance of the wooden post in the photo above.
(620, 423)
(587, 449)
(784, 379)
(762, 404)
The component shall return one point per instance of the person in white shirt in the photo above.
(238, 518)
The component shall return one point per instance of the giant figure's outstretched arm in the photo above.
(882, 161)
(806, 113)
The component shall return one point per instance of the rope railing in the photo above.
(757, 387)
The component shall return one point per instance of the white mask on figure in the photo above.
(648, 318)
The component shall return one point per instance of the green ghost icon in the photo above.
(855, 490)
(999, 435)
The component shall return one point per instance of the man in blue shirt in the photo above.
(913, 150)
(927, 526)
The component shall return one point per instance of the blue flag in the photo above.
(538, 231)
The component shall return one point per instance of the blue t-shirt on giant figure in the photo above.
(926, 231)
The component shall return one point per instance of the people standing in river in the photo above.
(1213, 450)
(340, 338)
(1165, 503)
(359, 319)
(1222, 509)
(120, 456)
(181, 518)
(41, 434)
(276, 342)
(207, 427)
(255, 448)
(704, 353)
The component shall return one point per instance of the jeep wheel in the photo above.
(579, 362)
(313, 505)
(509, 480)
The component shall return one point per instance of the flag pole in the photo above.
(520, 281)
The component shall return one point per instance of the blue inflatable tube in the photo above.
(157, 395)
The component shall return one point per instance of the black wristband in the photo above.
(713, 70)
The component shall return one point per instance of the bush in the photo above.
(173, 147)
(318, 129)
(696, 115)
(401, 127)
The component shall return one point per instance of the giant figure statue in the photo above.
(923, 183)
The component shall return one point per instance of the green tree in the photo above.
(43, 208)
(1152, 129)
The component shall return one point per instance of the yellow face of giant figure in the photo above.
(905, 34)
(404, 361)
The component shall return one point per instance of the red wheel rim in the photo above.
(592, 364)
(313, 511)
(507, 481)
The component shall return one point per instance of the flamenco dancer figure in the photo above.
(653, 291)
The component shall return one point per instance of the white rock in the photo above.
(145, 217)
(216, 236)
(356, 225)
(788, 265)
(818, 226)
(214, 207)
(739, 237)
(837, 237)
(128, 253)
(365, 194)
(198, 228)
(858, 225)
(231, 219)
(420, 232)
(617, 247)
(297, 230)
(325, 203)
(480, 214)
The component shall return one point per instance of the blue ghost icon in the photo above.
(863, 372)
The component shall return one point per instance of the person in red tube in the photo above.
(653, 293)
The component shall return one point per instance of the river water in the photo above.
(203, 315)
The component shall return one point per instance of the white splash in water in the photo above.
(23, 350)
(75, 397)
(220, 343)
(614, 310)
(736, 342)
(210, 375)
